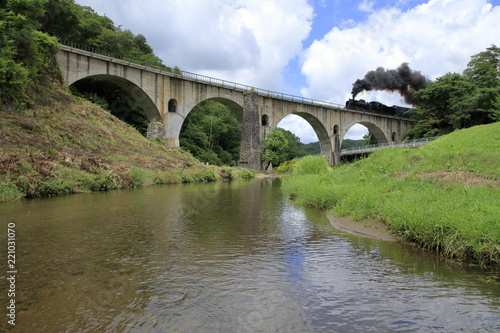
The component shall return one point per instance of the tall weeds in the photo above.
(311, 165)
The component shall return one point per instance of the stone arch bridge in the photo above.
(168, 97)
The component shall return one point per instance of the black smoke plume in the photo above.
(403, 79)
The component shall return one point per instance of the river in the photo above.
(224, 257)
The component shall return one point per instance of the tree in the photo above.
(369, 139)
(28, 43)
(212, 133)
(25, 52)
(294, 146)
(456, 101)
(274, 148)
(484, 72)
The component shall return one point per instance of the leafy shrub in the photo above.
(286, 167)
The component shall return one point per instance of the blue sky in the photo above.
(335, 13)
(310, 48)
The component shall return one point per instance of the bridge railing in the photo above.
(403, 144)
(95, 53)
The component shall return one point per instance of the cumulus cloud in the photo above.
(254, 42)
(245, 41)
(435, 38)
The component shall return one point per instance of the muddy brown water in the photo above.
(224, 257)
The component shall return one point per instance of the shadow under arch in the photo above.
(143, 99)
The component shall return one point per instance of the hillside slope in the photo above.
(69, 145)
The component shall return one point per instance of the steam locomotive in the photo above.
(377, 107)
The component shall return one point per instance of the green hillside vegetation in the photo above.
(312, 148)
(29, 35)
(349, 143)
(70, 145)
(54, 143)
(444, 196)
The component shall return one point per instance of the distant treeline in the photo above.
(313, 148)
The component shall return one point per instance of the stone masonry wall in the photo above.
(250, 152)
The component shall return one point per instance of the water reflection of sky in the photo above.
(294, 228)
(179, 258)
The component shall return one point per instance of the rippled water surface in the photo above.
(225, 257)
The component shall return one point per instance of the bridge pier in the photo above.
(156, 130)
(250, 151)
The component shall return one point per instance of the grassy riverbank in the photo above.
(68, 145)
(444, 196)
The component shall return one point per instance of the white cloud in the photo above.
(252, 41)
(300, 127)
(366, 6)
(435, 38)
(356, 132)
(245, 41)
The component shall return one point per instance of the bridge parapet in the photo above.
(371, 148)
(93, 53)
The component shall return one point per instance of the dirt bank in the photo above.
(368, 229)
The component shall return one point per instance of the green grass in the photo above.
(310, 165)
(445, 195)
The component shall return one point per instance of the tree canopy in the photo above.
(456, 101)
(212, 133)
(29, 35)
(280, 146)
(25, 51)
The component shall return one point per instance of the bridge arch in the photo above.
(138, 94)
(379, 134)
(160, 92)
(214, 126)
(320, 130)
(235, 107)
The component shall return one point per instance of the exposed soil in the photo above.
(368, 229)
(453, 177)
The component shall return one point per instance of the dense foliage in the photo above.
(312, 148)
(25, 52)
(29, 34)
(73, 23)
(280, 146)
(349, 143)
(212, 133)
(456, 101)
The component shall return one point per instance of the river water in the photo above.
(224, 257)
